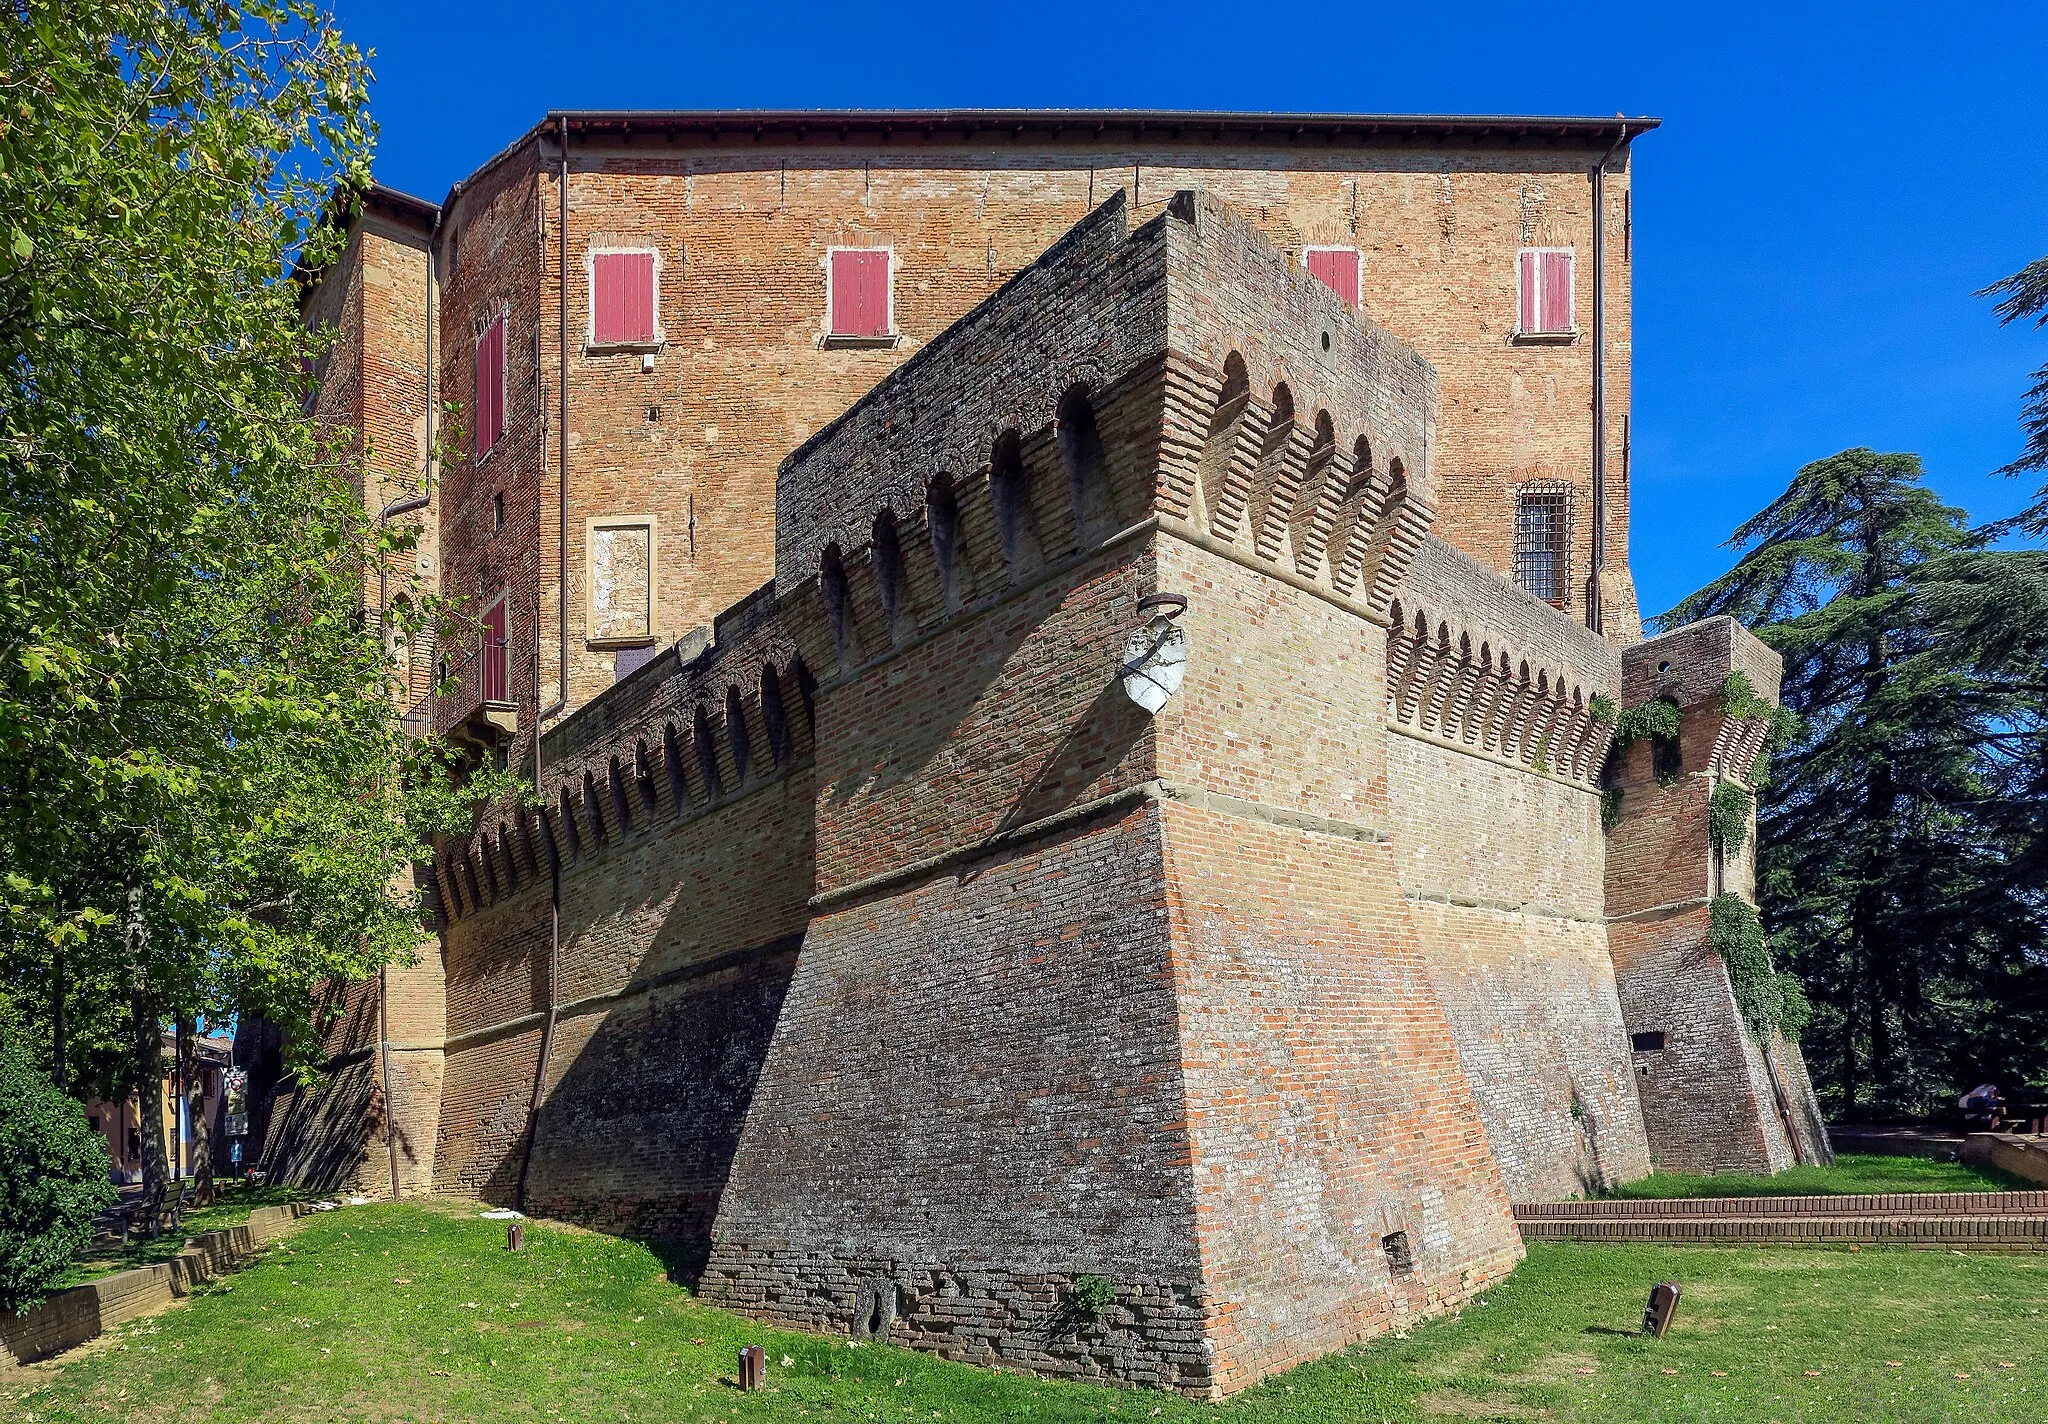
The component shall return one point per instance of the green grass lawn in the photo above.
(231, 1208)
(1852, 1173)
(418, 1313)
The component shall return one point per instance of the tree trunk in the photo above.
(193, 1080)
(147, 1043)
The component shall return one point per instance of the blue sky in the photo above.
(1830, 187)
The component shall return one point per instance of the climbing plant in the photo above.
(1728, 818)
(1770, 1002)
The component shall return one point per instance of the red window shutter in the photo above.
(860, 292)
(497, 654)
(1557, 291)
(1526, 273)
(489, 420)
(1337, 269)
(622, 298)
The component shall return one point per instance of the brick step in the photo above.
(1889, 1204)
(1998, 1233)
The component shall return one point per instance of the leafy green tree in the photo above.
(53, 1178)
(1897, 872)
(211, 806)
(2025, 294)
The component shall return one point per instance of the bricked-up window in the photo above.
(1336, 268)
(859, 297)
(942, 517)
(623, 306)
(736, 729)
(622, 579)
(497, 652)
(707, 754)
(774, 720)
(1543, 542)
(1544, 285)
(490, 386)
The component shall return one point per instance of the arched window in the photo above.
(888, 559)
(775, 721)
(707, 754)
(942, 515)
(736, 730)
(832, 586)
(1081, 457)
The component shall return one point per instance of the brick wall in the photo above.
(1714, 1098)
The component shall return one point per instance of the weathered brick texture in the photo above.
(869, 935)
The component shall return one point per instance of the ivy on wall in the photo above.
(1728, 818)
(1770, 1002)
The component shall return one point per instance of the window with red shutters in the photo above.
(497, 652)
(1337, 269)
(1544, 299)
(489, 421)
(859, 282)
(623, 299)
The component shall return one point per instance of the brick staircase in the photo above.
(2006, 1222)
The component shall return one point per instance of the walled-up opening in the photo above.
(593, 804)
(888, 562)
(1307, 527)
(643, 776)
(807, 693)
(1086, 467)
(736, 730)
(621, 806)
(672, 763)
(1267, 478)
(942, 518)
(1012, 501)
(1667, 757)
(570, 833)
(832, 588)
(1355, 517)
(774, 721)
(707, 754)
(1213, 466)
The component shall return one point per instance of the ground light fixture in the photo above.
(753, 1367)
(1156, 655)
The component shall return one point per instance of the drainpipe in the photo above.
(547, 1035)
(1594, 613)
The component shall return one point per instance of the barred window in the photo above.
(1543, 542)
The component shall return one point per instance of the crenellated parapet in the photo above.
(1476, 663)
(700, 724)
(1184, 377)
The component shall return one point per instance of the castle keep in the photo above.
(820, 481)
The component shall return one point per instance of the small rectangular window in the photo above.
(1543, 542)
(1544, 281)
(1337, 269)
(497, 652)
(498, 512)
(623, 304)
(489, 418)
(1647, 1042)
(860, 293)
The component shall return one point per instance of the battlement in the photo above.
(699, 725)
(1475, 662)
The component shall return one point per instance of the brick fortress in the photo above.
(807, 478)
